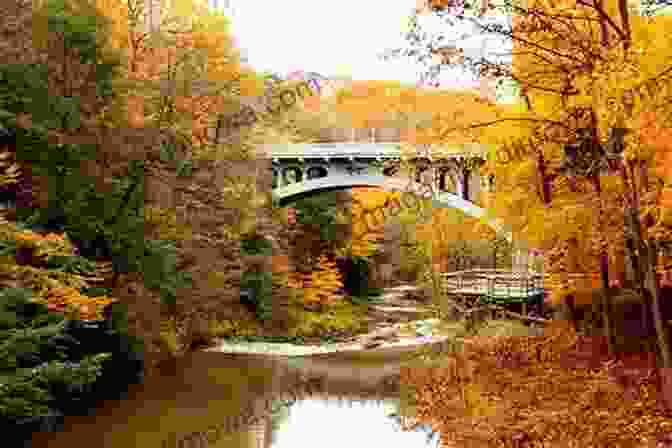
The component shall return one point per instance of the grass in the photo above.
(366, 300)
(342, 316)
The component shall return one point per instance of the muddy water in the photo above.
(211, 399)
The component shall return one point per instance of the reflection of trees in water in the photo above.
(279, 414)
(400, 423)
(346, 394)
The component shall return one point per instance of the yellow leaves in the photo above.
(166, 222)
(169, 336)
(217, 280)
(475, 402)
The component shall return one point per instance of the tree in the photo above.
(577, 69)
(202, 194)
(321, 286)
(320, 230)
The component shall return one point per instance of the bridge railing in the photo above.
(492, 281)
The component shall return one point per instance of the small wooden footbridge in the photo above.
(496, 286)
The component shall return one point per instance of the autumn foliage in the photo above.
(319, 287)
(60, 291)
(552, 390)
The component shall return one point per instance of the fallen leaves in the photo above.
(478, 398)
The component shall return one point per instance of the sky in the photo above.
(331, 38)
(340, 38)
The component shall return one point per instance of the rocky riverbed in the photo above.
(398, 324)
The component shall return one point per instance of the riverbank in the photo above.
(400, 320)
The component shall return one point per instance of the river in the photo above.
(331, 400)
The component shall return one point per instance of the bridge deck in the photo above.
(362, 150)
(495, 285)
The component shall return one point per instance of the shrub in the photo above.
(343, 317)
(261, 283)
(355, 272)
(51, 366)
(256, 245)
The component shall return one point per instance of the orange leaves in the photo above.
(280, 264)
(27, 238)
(296, 280)
(420, 115)
(204, 50)
(652, 133)
(367, 227)
(71, 301)
(46, 244)
(59, 290)
(536, 388)
(319, 287)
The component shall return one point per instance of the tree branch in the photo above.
(489, 123)
(604, 16)
(512, 36)
(625, 19)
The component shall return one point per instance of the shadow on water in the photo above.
(250, 401)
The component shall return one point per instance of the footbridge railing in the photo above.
(495, 284)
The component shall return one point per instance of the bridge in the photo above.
(449, 177)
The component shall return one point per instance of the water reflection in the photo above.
(213, 400)
(329, 424)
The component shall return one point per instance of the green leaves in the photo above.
(67, 111)
(168, 153)
(17, 310)
(184, 168)
(159, 267)
(23, 398)
(7, 248)
(80, 26)
(319, 211)
(24, 88)
(256, 244)
(73, 374)
(262, 284)
(71, 264)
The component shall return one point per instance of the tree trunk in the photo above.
(654, 290)
(571, 308)
(632, 242)
(597, 184)
(604, 27)
(625, 22)
(661, 330)
(545, 181)
(635, 246)
(605, 305)
(466, 175)
(606, 302)
(643, 170)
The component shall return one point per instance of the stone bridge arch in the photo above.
(442, 199)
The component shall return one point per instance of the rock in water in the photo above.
(372, 344)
